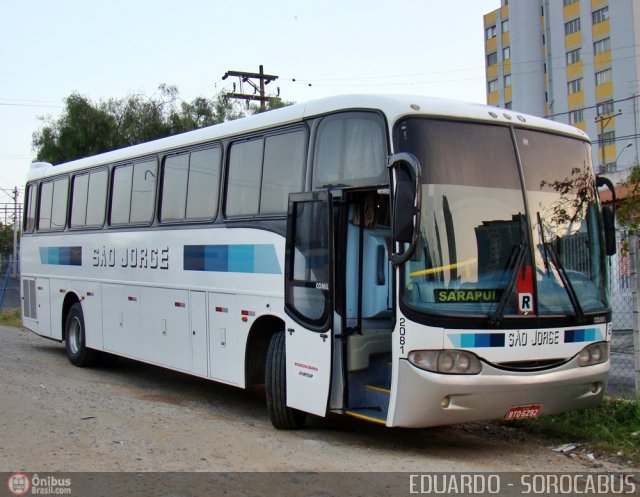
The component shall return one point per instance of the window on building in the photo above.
(602, 46)
(492, 59)
(506, 53)
(493, 85)
(603, 77)
(491, 32)
(569, 2)
(508, 105)
(574, 86)
(507, 80)
(600, 15)
(505, 26)
(574, 56)
(572, 27)
(606, 139)
(605, 108)
(576, 116)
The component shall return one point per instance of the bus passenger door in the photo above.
(308, 301)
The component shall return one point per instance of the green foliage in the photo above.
(628, 207)
(11, 317)
(6, 241)
(614, 427)
(86, 128)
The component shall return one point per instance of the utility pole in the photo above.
(603, 122)
(14, 270)
(258, 89)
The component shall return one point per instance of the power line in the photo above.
(247, 77)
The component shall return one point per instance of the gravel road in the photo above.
(136, 417)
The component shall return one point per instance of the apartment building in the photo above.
(574, 61)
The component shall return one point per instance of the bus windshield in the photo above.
(494, 242)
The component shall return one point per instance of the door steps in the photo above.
(369, 392)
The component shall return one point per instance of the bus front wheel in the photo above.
(75, 339)
(282, 417)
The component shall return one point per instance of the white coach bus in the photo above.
(404, 260)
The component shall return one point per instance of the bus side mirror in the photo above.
(609, 224)
(405, 220)
(403, 211)
(608, 216)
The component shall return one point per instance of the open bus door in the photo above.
(308, 301)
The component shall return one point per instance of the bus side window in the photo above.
(30, 211)
(52, 214)
(350, 149)
(283, 171)
(133, 193)
(244, 177)
(190, 186)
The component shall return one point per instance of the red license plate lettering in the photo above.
(522, 412)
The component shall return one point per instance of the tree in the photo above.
(628, 207)
(6, 242)
(86, 128)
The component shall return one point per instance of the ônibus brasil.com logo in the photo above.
(18, 484)
(22, 484)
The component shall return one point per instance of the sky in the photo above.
(111, 49)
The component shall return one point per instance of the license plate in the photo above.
(522, 412)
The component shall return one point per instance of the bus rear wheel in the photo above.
(75, 339)
(282, 417)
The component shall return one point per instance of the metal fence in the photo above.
(623, 287)
(9, 285)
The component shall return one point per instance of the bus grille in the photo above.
(531, 365)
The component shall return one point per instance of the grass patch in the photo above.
(11, 317)
(613, 427)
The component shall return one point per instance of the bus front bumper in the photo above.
(424, 399)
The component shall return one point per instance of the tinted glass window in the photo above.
(144, 192)
(44, 213)
(204, 179)
(97, 198)
(59, 205)
(121, 194)
(30, 217)
(350, 150)
(79, 200)
(308, 275)
(174, 187)
(283, 170)
(243, 184)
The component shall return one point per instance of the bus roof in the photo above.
(393, 106)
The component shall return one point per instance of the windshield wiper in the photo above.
(549, 251)
(562, 272)
(516, 264)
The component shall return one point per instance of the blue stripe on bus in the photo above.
(247, 258)
(583, 335)
(61, 256)
(477, 340)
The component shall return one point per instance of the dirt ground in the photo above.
(136, 417)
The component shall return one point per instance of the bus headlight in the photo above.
(596, 353)
(446, 361)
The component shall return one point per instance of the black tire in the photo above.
(282, 417)
(75, 343)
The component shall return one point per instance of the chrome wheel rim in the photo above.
(74, 335)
